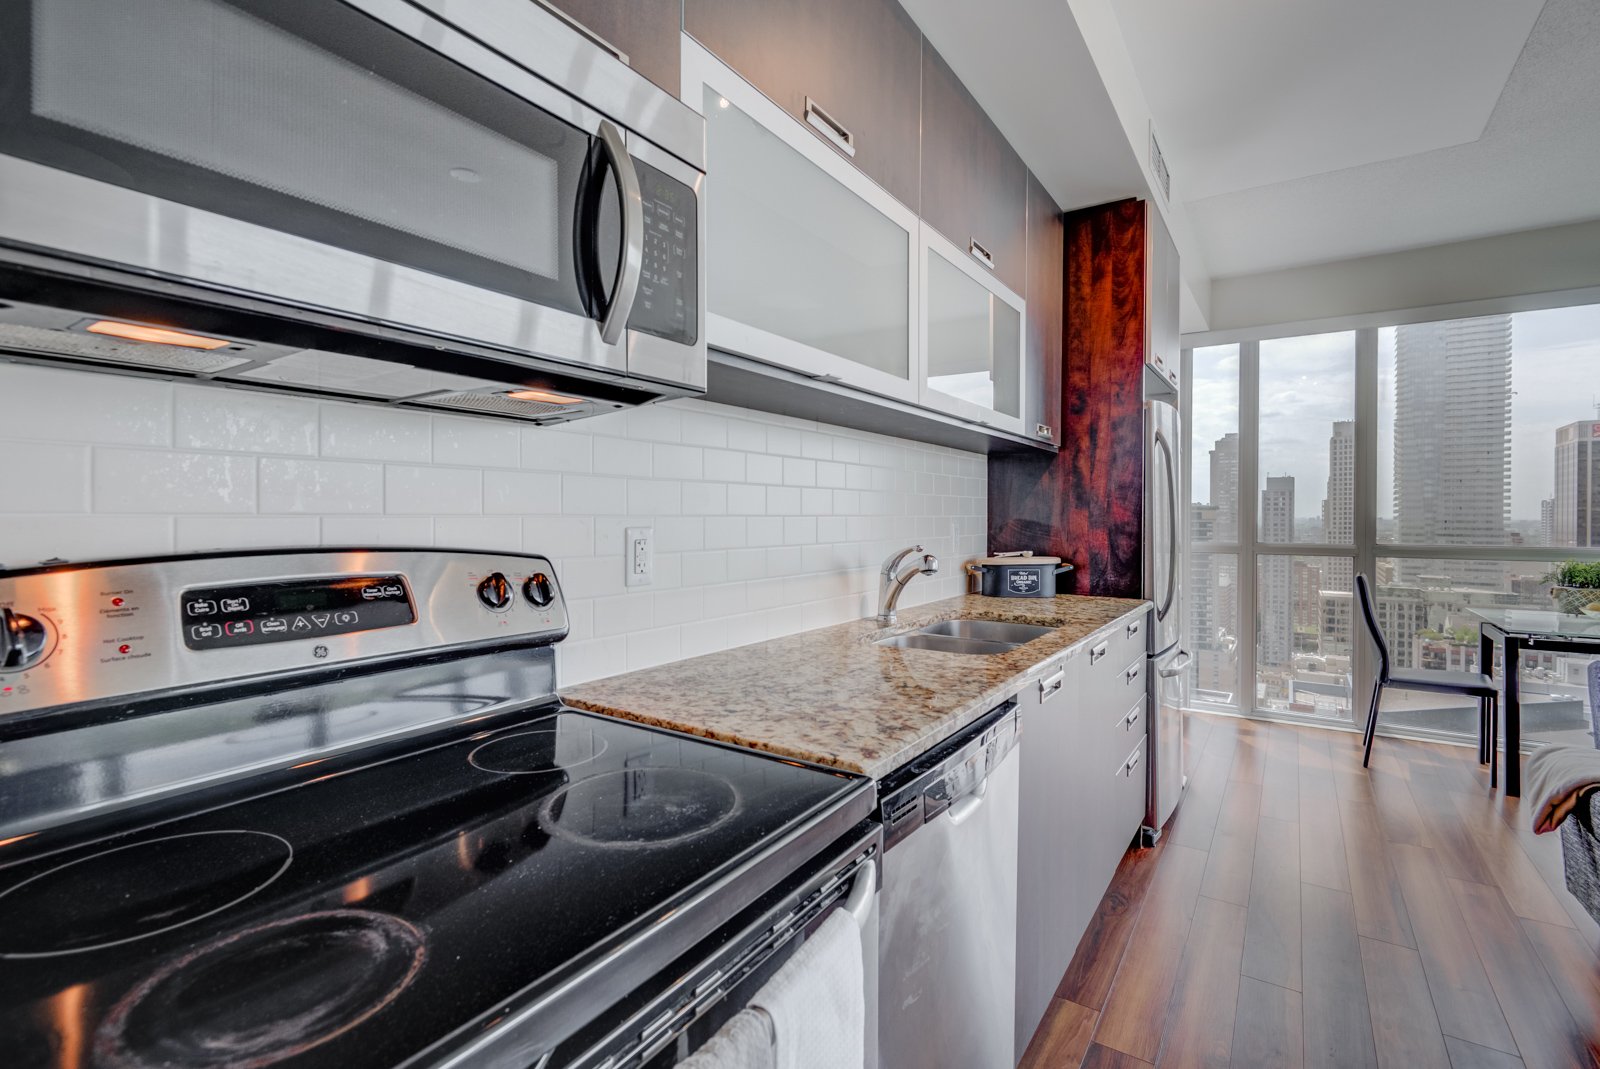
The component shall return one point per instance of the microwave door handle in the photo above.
(616, 320)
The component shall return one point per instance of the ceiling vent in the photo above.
(1158, 167)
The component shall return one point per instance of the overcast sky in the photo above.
(1307, 383)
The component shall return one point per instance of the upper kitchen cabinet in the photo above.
(1045, 294)
(974, 185)
(646, 31)
(810, 265)
(972, 338)
(1161, 322)
(849, 69)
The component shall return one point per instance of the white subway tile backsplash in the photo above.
(594, 494)
(44, 477)
(240, 421)
(200, 534)
(367, 432)
(54, 405)
(447, 491)
(521, 492)
(320, 486)
(476, 443)
(499, 533)
(622, 456)
(558, 536)
(765, 525)
(377, 530)
(654, 497)
(557, 449)
(82, 537)
(142, 480)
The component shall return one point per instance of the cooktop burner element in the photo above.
(141, 890)
(264, 994)
(544, 750)
(641, 807)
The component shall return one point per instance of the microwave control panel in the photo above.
(667, 302)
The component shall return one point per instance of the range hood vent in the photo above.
(499, 404)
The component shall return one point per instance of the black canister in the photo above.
(1019, 577)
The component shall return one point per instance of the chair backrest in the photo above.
(1370, 617)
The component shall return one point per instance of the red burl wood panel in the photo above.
(1086, 504)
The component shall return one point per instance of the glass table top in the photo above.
(1542, 622)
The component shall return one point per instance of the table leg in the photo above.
(1513, 721)
(1486, 666)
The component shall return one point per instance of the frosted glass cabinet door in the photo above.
(972, 339)
(809, 264)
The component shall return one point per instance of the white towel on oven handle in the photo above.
(745, 1042)
(817, 1000)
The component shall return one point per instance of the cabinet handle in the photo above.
(1133, 672)
(1098, 652)
(1132, 717)
(1133, 762)
(830, 128)
(1133, 629)
(981, 253)
(1049, 688)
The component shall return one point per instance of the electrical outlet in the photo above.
(639, 555)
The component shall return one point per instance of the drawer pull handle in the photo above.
(1132, 718)
(980, 253)
(1133, 629)
(1048, 688)
(1133, 763)
(1133, 672)
(830, 128)
(1098, 652)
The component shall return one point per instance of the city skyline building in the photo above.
(1275, 595)
(1452, 440)
(1573, 521)
(1339, 507)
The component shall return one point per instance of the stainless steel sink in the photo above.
(981, 637)
(987, 631)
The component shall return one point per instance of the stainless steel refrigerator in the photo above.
(1164, 573)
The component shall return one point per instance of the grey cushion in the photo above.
(1580, 854)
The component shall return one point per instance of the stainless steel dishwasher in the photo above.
(948, 908)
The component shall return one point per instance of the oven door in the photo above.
(363, 158)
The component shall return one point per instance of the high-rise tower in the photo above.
(1339, 507)
(1276, 596)
(1452, 441)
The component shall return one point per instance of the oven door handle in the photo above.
(616, 319)
(859, 902)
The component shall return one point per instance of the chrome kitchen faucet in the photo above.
(890, 586)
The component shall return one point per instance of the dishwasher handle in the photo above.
(965, 807)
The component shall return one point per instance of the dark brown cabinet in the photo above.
(646, 31)
(1045, 294)
(856, 60)
(1086, 504)
(974, 185)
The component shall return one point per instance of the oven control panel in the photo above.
(223, 616)
(73, 633)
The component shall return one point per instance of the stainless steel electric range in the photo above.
(324, 808)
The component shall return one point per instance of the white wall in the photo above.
(765, 525)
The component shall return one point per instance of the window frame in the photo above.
(1366, 550)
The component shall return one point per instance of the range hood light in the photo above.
(545, 396)
(134, 332)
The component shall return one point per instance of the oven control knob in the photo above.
(495, 592)
(538, 590)
(22, 641)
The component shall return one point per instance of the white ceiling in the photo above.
(1300, 132)
(1254, 92)
(1536, 164)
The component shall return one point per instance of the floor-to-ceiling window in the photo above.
(1449, 461)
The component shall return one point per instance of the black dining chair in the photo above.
(1472, 684)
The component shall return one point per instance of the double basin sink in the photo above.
(983, 637)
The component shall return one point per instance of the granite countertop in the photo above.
(834, 697)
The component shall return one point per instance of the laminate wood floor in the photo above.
(1302, 912)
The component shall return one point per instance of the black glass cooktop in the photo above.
(360, 911)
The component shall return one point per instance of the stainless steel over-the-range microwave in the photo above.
(466, 204)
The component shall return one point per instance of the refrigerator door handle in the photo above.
(1172, 529)
(1179, 665)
